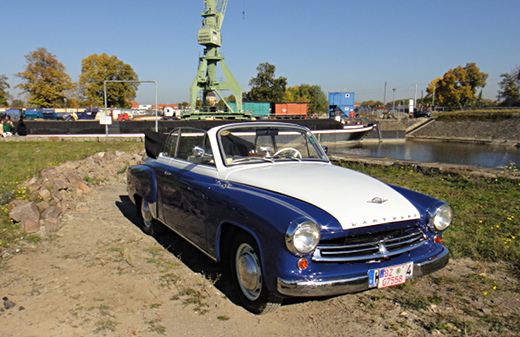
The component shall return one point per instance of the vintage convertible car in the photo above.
(264, 198)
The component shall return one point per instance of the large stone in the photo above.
(74, 179)
(30, 225)
(51, 219)
(15, 203)
(59, 184)
(45, 194)
(28, 215)
(42, 205)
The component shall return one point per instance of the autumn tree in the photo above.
(44, 80)
(4, 94)
(509, 92)
(96, 69)
(458, 87)
(308, 93)
(265, 87)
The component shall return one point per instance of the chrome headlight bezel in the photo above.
(441, 216)
(302, 237)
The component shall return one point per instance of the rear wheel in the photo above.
(149, 225)
(248, 276)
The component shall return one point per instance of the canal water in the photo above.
(482, 155)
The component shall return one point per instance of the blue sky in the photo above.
(340, 45)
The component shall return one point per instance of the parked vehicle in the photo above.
(264, 198)
(420, 113)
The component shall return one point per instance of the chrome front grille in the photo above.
(369, 247)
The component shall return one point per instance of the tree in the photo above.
(4, 94)
(265, 87)
(458, 87)
(44, 80)
(509, 92)
(95, 69)
(308, 93)
(17, 104)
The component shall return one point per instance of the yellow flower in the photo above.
(485, 293)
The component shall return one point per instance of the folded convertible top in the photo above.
(154, 143)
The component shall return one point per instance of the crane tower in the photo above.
(206, 80)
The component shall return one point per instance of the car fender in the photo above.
(141, 182)
(265, 218)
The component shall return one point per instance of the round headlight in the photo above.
(302, 238)
(441, 217)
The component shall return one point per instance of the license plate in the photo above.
(391, 276)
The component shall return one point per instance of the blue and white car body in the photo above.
(264, 197)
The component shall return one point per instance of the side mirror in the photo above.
(198, 152)
(325, 149)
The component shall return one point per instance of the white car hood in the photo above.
(354, 199)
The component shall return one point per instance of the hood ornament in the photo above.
(377, 200)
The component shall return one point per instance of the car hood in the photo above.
(354, 199)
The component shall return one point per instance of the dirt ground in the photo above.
(100, 275)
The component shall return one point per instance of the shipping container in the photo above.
(341, 104)
(33, 113)
(257, 109)
(289, 110)
(49, 114)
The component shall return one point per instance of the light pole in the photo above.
(393, 101)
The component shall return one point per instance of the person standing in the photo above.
(21, 128)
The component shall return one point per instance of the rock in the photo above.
(30, 224)
(74, 179)
(28, 215)
(15, 203)
(84, 188)
(52, 224)
(18, 209)
(59, 185)
(42, 205)
(45, 194)
(8, 304)
(51, 212)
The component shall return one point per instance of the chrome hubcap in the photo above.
(248, 272)
(146, 214)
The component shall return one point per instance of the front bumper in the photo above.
(330, 287)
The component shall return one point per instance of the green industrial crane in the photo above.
(206, 81)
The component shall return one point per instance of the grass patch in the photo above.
(487, 216)
(23, 160)
(479, 115)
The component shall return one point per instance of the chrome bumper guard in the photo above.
(330, 287)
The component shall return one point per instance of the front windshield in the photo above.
(268, 143)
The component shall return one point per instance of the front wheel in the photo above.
(248, 276)
(149, 225)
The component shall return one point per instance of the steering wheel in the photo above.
(296, 154)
